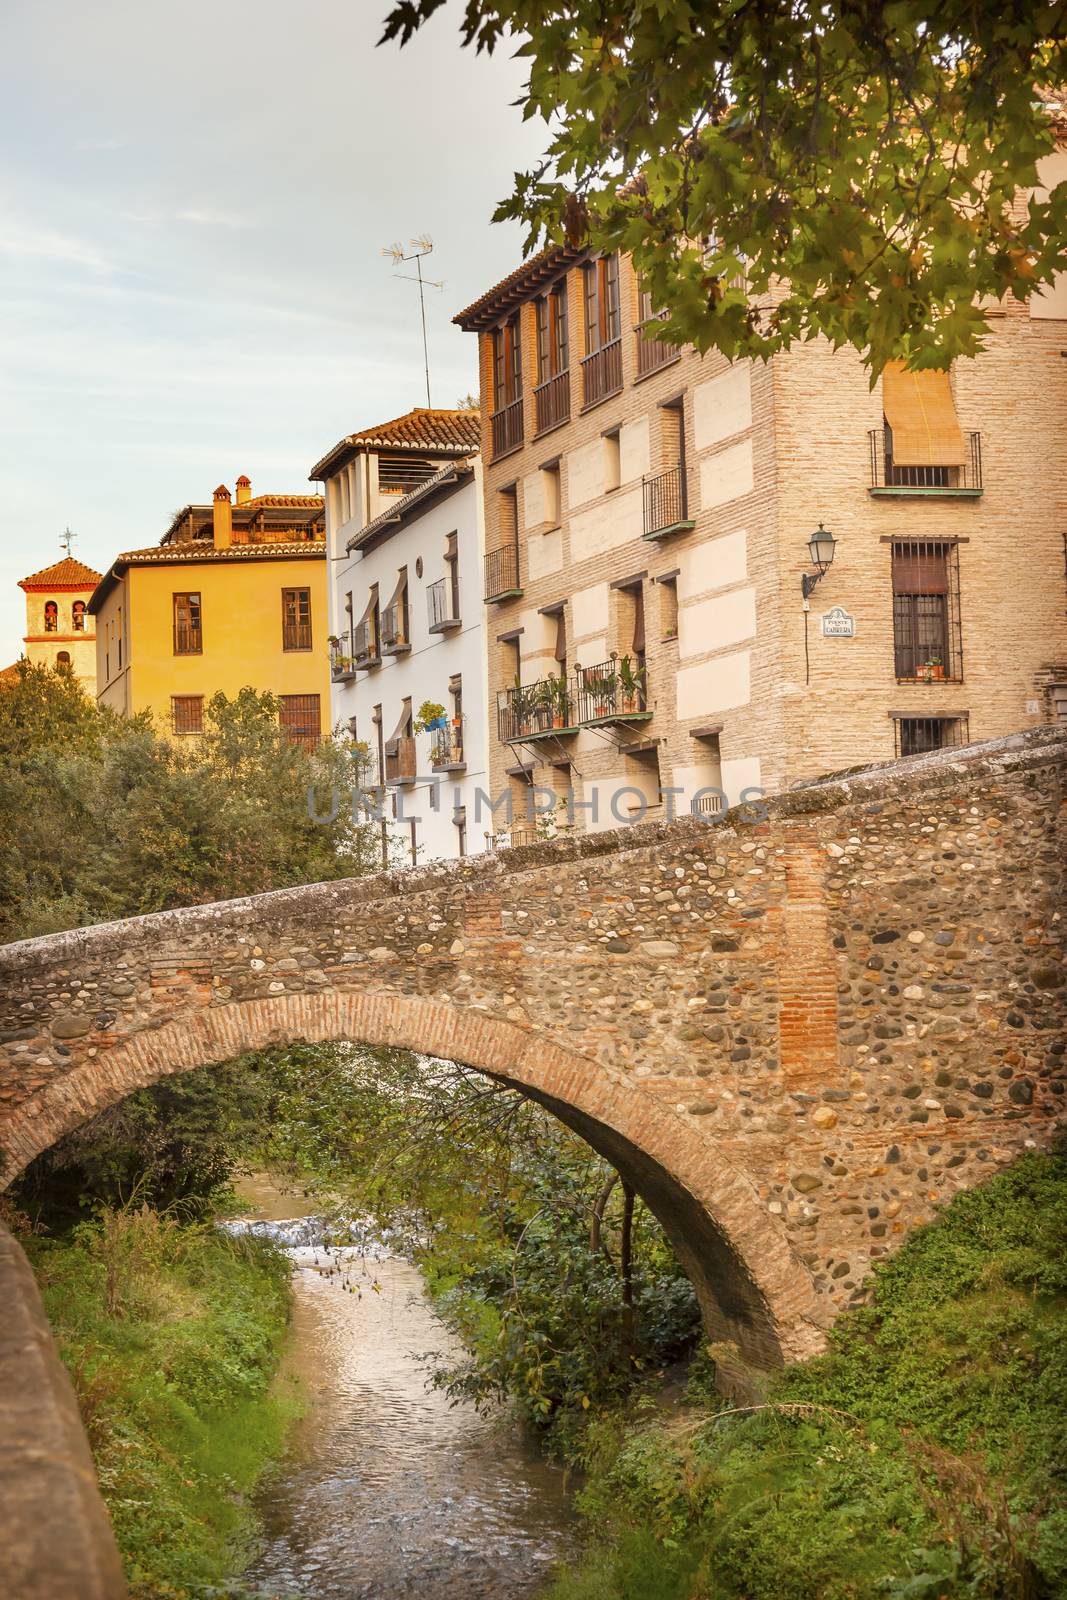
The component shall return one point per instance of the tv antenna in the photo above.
(66, 541)
(416, 250)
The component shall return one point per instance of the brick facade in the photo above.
(770, 451)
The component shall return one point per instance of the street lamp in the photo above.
(821, 548)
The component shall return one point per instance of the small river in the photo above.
(387, 1491)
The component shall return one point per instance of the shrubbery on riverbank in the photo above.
(171, 1334)
(925, 1456)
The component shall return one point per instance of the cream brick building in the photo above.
(657, 506)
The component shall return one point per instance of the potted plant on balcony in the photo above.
(430, 717)
(521, 701)
(933, 669)
(631, 684)
(601, 686)
(560, 700)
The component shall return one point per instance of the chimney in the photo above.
(223, 518)
(244, 490)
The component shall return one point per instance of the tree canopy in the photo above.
(780, 169)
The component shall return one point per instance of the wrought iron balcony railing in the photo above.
(502, 572)
(394, 630)
(365, 650)
(665, 503)
(887, 477)
(506, 425)
(446, 749)
(442, 606)
(342, 662)
(614, 691)
(602, 372)
(608, 693)
(653, 353)
(400, 759)
(552, 401)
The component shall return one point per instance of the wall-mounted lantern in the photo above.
(821, 548)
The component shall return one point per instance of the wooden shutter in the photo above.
(561, 637)
(921, 412)
(638, 645)
(920, 569)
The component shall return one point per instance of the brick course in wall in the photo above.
(796, 1030)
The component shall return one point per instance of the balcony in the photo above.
(365, 649)
(396, 639)
(442, 606)
(613, 691)
(665, 504)
(545, 709)
(506, 427)
(889, 480)
(446, 749)
(653, 353)
(400, 759)
(342, 664)
(555, 708)
(602, 373)
(552, 401)
(502, 573)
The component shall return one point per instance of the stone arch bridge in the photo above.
(795, 1031)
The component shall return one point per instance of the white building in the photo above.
(409, 662)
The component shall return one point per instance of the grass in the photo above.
(924, 1456)
(171, 1335)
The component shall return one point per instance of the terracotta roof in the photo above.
(65, 574)
(517, 286)
(10, 674)
(196, 551)
(451, 472)
(425, 431)
(247, 510)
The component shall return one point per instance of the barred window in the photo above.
(300, 718)
(187, 713)
(927, 639)
(917, 735)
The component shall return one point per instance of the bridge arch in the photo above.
(752, 1289)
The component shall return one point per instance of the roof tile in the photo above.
(66, 574)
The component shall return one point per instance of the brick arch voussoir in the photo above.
(781, 1319)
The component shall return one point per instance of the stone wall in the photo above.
(57, 1541)
(797, 1031)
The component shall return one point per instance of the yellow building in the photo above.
(59, 629)
(233, 596)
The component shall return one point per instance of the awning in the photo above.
(921, 412)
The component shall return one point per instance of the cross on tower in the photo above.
(66, 540)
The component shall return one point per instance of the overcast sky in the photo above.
(194, 198)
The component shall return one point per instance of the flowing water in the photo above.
(387, 1491)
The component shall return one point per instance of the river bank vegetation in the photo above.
(171, 1332)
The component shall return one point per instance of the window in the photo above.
(403, 475)
(668, 605)
(917, 735)
(507, 387)
(553, 391)
(296, 619)
(51, 617)
(188, 625)
(395, 635)
(300, 718)
(77, 616)
(187, 713)
(452, 565)
(602, 363)
(926, 611)
(551, 495)
(459, 822)
(921, 445)
(652, 353)
(502, 564)
(63, 658)
(602, 325)
(552, 352)
(612, 461)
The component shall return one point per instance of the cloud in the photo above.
(213, 219)
(26, 240)
(92, 146)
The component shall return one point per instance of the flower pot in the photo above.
(558, 719)
(629, 702)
